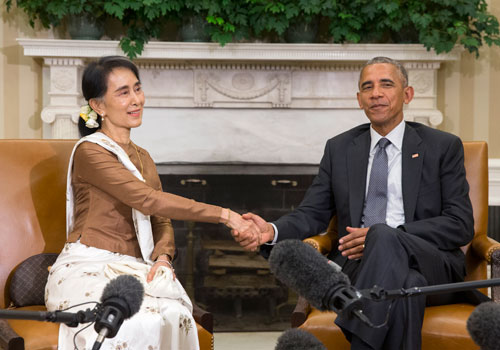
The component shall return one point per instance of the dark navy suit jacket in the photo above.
(435, 191)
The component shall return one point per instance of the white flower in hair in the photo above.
(91, 124)
(85, 110)
(93, 115)
(89, 116)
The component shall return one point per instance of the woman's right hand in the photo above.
(160, 261)
(245, 232)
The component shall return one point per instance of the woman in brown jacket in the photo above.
(118, 220)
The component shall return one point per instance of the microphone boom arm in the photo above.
(379, 294)
(69, 318)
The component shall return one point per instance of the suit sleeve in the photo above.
(313, 214)
(453, 226)
(102, 169)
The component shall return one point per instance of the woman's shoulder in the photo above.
(91, 150)
(90, 147)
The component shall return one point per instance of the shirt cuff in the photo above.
(275, 235)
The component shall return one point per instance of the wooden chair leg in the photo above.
(9, 340)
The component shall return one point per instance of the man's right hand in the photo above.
(266, 229)
(245, 232)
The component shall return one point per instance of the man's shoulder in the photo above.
(426, 133)
(430, 134)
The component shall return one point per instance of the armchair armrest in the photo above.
(325, 242)
(495, 273)
(203, 318)
(321, 243)
(489, 249)
(9, 340)
(484, 247)
(299, 314)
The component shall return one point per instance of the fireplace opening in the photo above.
(235, 285)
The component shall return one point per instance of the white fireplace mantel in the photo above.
(169, 51)
(242, 103)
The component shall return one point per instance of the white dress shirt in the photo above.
(395, 214)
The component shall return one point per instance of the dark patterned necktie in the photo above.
(376, 199)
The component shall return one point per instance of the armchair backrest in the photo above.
(476, 168)
(32, 201)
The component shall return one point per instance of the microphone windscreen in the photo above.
(126, 288)
(483, 325)
(305, 270)
(297, 339)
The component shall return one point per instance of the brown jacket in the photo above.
(105, 191)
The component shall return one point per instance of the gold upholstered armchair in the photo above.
(33, 232)
(444, 326)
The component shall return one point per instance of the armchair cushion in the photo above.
(27, 286)
(444, 327)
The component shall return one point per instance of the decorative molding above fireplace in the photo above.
(171, 51)
(237, 104)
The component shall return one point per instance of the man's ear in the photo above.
(359, 100)
(97, 105)
(409, 93)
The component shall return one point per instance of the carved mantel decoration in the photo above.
(242, 103)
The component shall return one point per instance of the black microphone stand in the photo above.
(69, 318)
(347, 300)
(379, 294)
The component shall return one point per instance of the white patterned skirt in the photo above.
(164, 321)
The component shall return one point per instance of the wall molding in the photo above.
(494, 181)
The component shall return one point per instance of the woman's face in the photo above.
(123, 103)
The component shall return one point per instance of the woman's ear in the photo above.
(97, 105)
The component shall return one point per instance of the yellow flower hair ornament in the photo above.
(89, 116)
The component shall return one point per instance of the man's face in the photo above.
(382, 96)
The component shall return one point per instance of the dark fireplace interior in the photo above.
(236, 286)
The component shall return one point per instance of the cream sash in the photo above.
(142, 223)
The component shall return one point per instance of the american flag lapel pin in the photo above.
(414, 155)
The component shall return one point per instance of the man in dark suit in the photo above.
(401, 199)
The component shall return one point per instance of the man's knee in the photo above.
(415, 279)
(381, 235)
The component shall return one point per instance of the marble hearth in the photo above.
(209, 108)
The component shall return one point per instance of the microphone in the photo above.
(297, 339)
(319, 280)
(483, 325)
(120, 299)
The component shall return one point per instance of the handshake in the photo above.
(249, 230)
